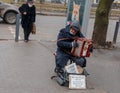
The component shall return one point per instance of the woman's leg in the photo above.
(29, 30)
(25, 33)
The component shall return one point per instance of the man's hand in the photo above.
(24, 13)
(91, 49)
(74, 44)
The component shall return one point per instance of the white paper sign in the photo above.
(77, 82)
(72, 68)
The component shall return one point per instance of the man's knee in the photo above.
(81, 62)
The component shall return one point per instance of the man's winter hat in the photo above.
(75, 25)
(29, 0)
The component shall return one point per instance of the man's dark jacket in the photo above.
(65, 39)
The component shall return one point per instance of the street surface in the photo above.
(27, 67)
(52, 24)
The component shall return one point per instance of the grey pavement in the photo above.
(27, 67)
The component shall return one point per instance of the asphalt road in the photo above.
(20, 75)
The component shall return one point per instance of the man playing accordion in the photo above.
(65, 43)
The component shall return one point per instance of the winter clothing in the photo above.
(65, 43)
(75, 25)
(29, 0)
(28, 15)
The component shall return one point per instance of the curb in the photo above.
(51, 14)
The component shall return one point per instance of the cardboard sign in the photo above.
(77, 82)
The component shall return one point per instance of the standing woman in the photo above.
(28, 13)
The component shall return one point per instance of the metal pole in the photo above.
(86, 16)
(116, 32)
(17, 27)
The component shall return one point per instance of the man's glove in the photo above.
(91, 49)
(74, 44)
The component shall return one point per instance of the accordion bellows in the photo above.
(83, 49)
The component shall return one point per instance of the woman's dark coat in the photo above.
(29, 18)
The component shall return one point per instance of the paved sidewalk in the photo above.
(27, 68)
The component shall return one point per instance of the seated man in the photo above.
(65, 43)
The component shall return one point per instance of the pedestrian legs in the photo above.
(27, 31)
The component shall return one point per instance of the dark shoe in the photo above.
(58, 70)
(26, 41)
(85, 72)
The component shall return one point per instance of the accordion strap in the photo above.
(64, 39)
